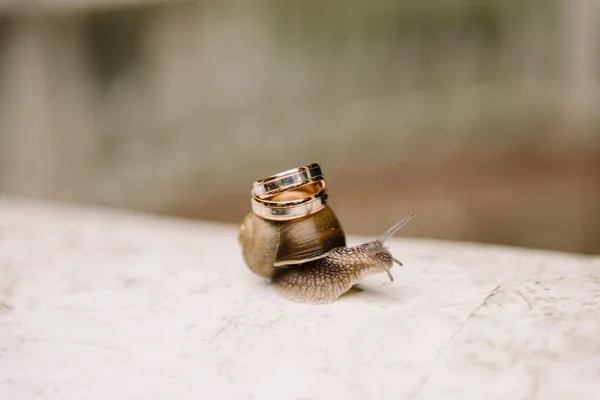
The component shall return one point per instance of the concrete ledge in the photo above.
(100, 304)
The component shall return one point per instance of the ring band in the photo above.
(314, 204)
(287, 180)
(290, 209)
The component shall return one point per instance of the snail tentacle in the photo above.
(375, 251)
(377, 247)
(390, 232)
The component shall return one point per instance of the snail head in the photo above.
(380, 254)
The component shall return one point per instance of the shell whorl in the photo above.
(268, 246)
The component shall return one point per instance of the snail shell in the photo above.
(269, 245)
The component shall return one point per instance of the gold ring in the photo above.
(293, 203)
(287, 180)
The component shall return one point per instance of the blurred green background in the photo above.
(481, 116)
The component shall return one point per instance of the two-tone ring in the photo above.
(290, 194)
(287, 180)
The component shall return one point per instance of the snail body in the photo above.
(326, 279)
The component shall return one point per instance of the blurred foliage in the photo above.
(336, 21)
(3, 60)
(423, 34)
(114, 43)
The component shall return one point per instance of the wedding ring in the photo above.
(287, 180)
(292, 204)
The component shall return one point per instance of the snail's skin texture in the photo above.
(325, 280)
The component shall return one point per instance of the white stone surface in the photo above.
(100, 304)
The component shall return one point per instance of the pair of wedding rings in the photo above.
(290, 194)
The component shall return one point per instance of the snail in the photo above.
(305, 257)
